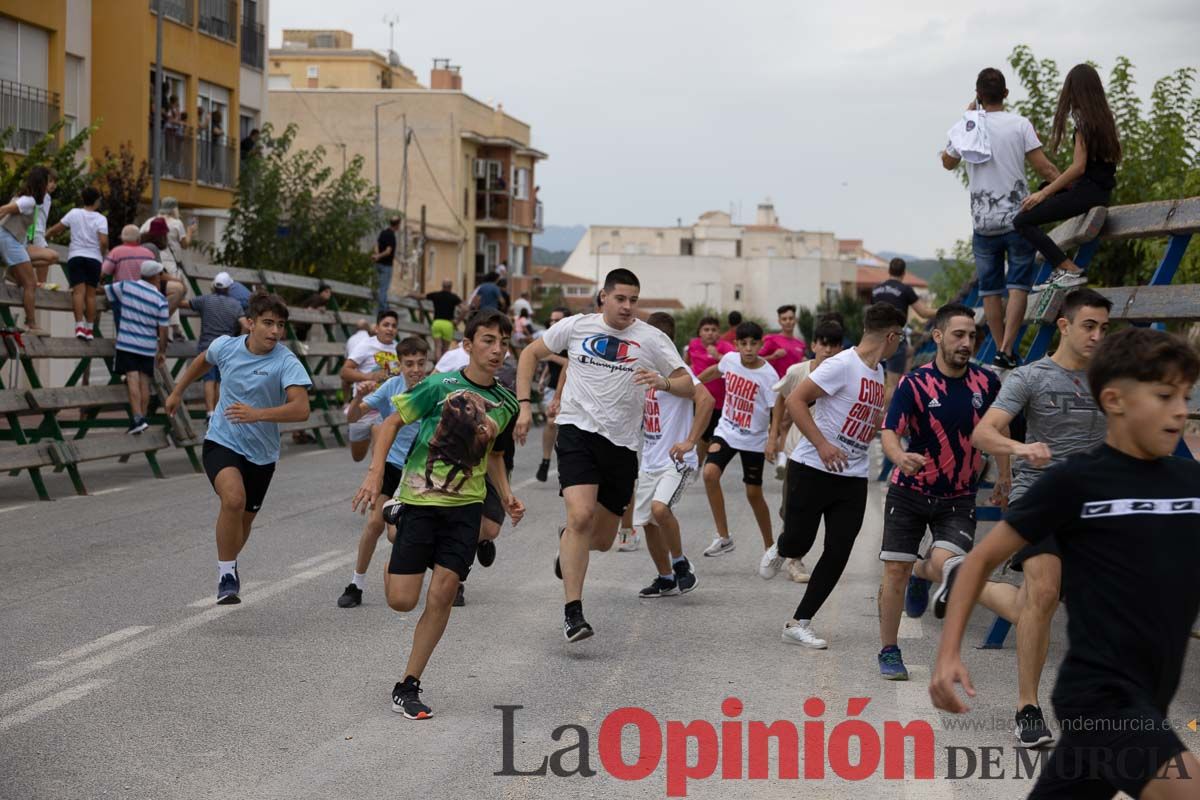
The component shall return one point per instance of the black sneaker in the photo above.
(544, 471)
(576, 628)
(351, 597)
(1031, 729)
(228, 589)
(1005, 361)
(661, 587)
(941, 595)
(460, 599)
(406, 699)
(685, 577)
(485, 552)
(138, 425)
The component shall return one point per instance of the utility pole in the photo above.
(404, 191)
(156, 121)
(424, 250)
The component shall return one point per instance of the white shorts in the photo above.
(665, 486)
(361, 431)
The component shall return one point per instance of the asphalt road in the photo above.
(119, 678)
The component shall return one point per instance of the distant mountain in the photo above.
(550, 258)
(888, 255)
(560, 237)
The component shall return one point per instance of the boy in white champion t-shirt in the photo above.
(670, 431)
(742, 431)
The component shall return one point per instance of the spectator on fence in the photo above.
(42, 256)
(89, 243)
(220, 315)
(124, 262)
(179, 236)
(172, 278)
(522, 303)
(997, 187)
(487, 294)
(505, 299)
(1090, 179)
(317, 301)
(383, 255)
(445, 309)
(16, 220)
(142, 328)
(372, 361)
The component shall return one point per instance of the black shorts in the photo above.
(391, 480)
(493, 509)
(1097, 756)
(588, 459)
(908, 513)
(83, 270)
(752, 462)
(713, 419)
(436, 535)
(256, 478)
(1047, 546)
(127, 362)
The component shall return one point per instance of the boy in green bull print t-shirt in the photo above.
(466, 421)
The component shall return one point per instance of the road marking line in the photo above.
(54, 701)
(13, 508)
(308, 562)
(209, 599)
(80, 669)
(90, 647)
(531, 481)
(112, 490)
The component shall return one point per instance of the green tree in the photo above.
(955, 276)
(687, 322)
(72, 169)
(294, 213)
(123, 181)
(551, 299)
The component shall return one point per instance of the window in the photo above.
(516, 259)
(212, 110)
(491, 256)
(770, 252)
(686, 247)
(521, 184)
(72, 84)
(247, 121)
(737, 292)
(739, 248)
(313, 72)
(24, 54)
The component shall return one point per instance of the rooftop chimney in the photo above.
(445, 75)
(766, 214)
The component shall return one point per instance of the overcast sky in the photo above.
(656, 111)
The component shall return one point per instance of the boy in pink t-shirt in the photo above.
(703, 352)
(784, 349)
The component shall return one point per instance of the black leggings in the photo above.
(1077, 199)
(812, 494)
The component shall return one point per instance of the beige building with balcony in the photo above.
(318, 59)
(722, 264)
(471, 167)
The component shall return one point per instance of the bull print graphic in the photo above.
(461, 439)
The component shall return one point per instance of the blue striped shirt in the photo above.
(143, 310)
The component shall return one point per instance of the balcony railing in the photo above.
(178, 146)
(216, 161)
(29, 111)
(179, 10)
(538, 218)
(219, 18)
(252, 44)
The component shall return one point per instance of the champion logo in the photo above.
(970, 125)
(610, 348)
(935, 403)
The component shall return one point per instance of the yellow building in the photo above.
(313, 59)
(95, 61)
(470, 166)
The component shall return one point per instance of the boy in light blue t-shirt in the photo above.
(262, 385)
(411, 353)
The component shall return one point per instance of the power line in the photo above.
(438, 186)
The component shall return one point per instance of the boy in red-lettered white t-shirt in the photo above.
(742, 431)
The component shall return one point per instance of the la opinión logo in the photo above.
(738, 749)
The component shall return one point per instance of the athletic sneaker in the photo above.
(81, 331)
(138, 425)
(1005, 361)
(796, 633)
(685, 576)
(661, 587)
(628, 540)
(891, 665)
(576, 628)
(796, 570)
(719, 547)
(460, 599)
(485, 552)
(351, 597)
(941, 595)
(228, 590)
(392, 510)
(557, 563)
(89, 334)
(1062, 279)
(1031, 729)
(543, 471)
(406, 699)
(916, 597)
(770, 563)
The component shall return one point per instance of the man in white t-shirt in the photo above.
(997, 187)
(741, 431)
(827, 473)
(784, 436)
(671, 428)
(453, 360)
(613, 359)
(372, 361)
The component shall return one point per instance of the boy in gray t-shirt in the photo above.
(1062, 418)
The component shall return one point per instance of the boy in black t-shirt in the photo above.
(1127, 519)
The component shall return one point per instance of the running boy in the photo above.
(263, 384)
(742, 431)
(1127, 521)
(466, 419)
(411, 352)
(371, 361)
(670, 431)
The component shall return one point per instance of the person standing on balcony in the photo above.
(383, 256)
(16, 220)
(249, 145)
(219, 161)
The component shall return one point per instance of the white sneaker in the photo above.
(719, 547)
(796, 570)
(795, 633)
(628, 540)
(770, 564)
